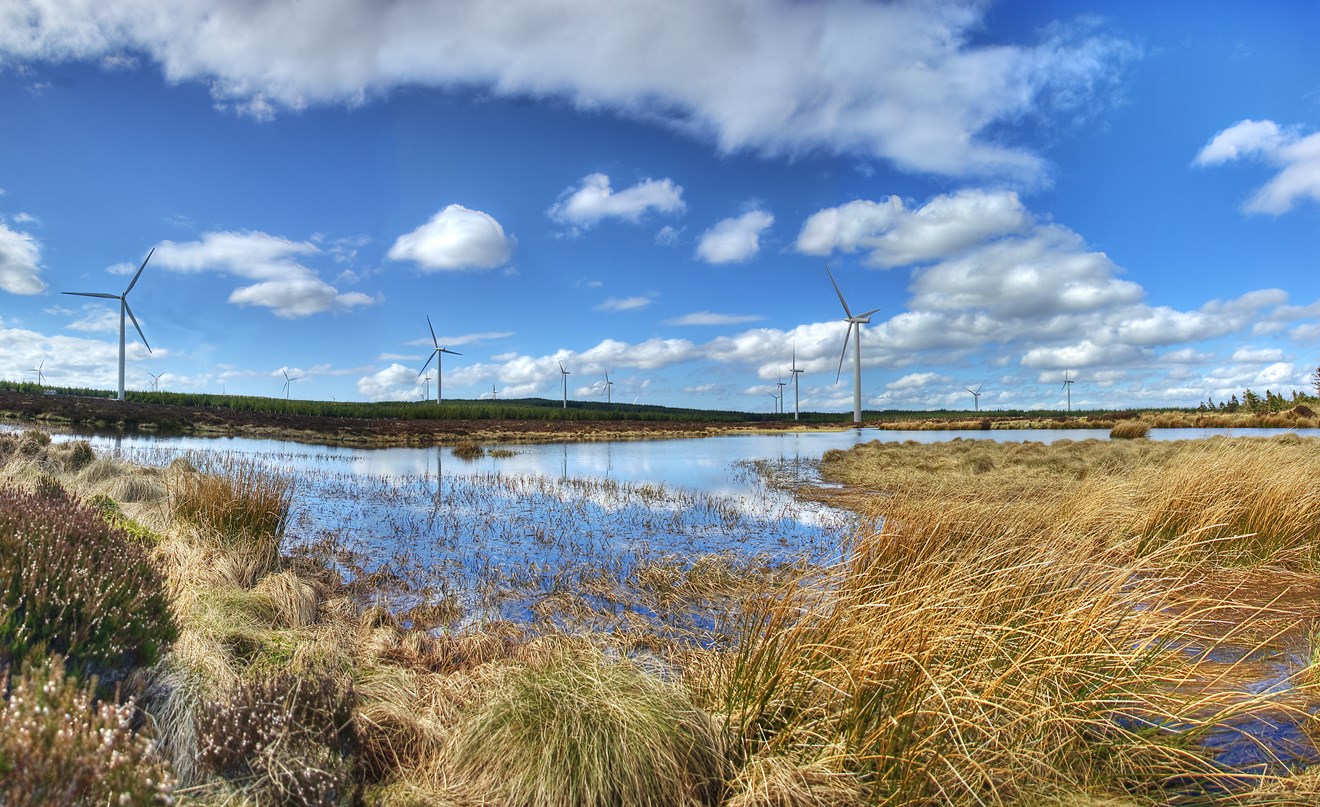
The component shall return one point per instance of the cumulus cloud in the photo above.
(284, 285)
(893, 235)
(711, 318)
(1296, 156)
(455, 239)
(394, 383)
(913, 82)
(20, 262)
(594, 200)
(734, 240)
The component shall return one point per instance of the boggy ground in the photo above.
(110, 414)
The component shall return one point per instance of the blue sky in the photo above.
(1126, 191)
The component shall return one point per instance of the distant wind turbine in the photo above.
(776, 399)
(155, 380)
(609, 388)
(123, 309)
(41, 377)
(438, 355)
(494, 396)
(781, 383)
(564, 374)
(1067, 387)
(288, 382)
(976, 394)
(794, 372)
(855, 331)
(426, 388)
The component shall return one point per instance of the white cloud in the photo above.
(667, 236)
(624, 303)
(455, 239)
(473, 338)
(913, 82)
(734, 240)
(285, 286)
(895, 236)
(1297, 158)
(1257, 355)
(394, 383)
(710, 318)
(916, 381)
(594, 200)
(20, 262)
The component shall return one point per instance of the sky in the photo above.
(1125, 192)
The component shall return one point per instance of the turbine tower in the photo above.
(288, 382)
(41, 377)
(123, 309)
(781, 383)
(564, 375)
(855, 331)
(976, 394)
(438, 355)
(1067, 387)
(609, 388)
(794, 373)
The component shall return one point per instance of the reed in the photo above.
(1129, 429)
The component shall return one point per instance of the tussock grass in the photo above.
(241, 507)
(577, 730)
(1129, 429)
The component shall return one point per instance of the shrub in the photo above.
(76, 586)
(577, 730)
(283, 738)
(60, 747)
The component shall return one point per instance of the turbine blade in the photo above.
(428, 362)
(969, 390)
(124, 303)
(452, 352)
(92, 294)
(286, 374)
(561, 368)
(836, 291)
(839, 374)
(433, 339)
(134, 281)
(867, 314)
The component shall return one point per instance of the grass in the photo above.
(1027, 625)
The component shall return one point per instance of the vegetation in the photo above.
(60, 747)
(1077, 623)
(76, 586)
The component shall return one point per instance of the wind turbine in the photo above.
(776, 403)
(781, 383)
(123, 309)
(564, 374)
(976, 394)
(426, 389)
(494, 396)
(1067, 387)
(609, 388)
(855, 331)
(438, 355)
(155, 380)
(41, 377)
(288, 382)
(794, 373)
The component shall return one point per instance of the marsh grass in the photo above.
(239, 506)
(578, 730)
(1129, 429)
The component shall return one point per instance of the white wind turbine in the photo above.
(564, 374)
(794, 372)
(609, 388)
(976, 394)
(855, 324)
(41, 377)
(438, 355)
(776, 401)
(781, 383)
(155, 380)
(288, 382)
(123, 309)
(494, 396)
(1067, 387)
(426, 389)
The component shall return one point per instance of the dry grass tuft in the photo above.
(577, 730)
(1129, 429)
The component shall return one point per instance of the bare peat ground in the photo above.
(105, 414)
